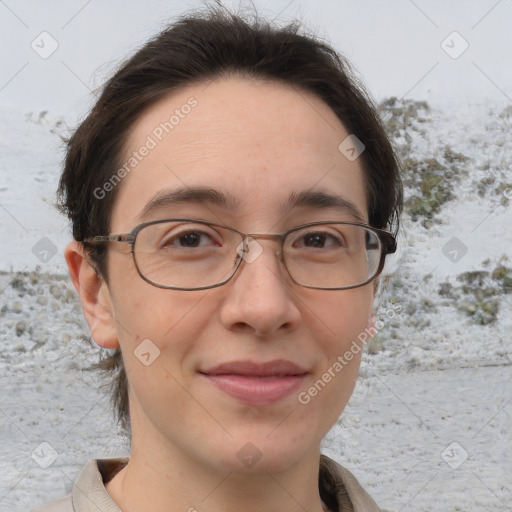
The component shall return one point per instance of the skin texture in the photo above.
(259, 142)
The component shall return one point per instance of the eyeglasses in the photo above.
(191, 254)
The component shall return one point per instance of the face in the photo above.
(258, 143)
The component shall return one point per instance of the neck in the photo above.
(159, 480)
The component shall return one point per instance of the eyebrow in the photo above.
(200, 194)
(319, 199)
(189, 195)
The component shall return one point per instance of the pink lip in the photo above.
(257, 383)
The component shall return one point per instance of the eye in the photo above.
(319, 240)
(193, 239)
(190, 239)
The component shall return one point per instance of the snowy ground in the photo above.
(429, 425)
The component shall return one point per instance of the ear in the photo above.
(94, 294)
(370, 329)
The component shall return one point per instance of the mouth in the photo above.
(257, 383)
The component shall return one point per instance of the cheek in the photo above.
(171, 319)
(158, 330)
(153, 320)
(351, 321)
(355, 313)
(341, 323)
(341, 317)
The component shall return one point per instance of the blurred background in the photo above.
(429, 424)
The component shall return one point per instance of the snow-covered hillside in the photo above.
(33, 231)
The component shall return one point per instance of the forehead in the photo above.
(256, 141)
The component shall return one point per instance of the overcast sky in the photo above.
(396, 45)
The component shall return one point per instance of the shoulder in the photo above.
(63, 504)
(89, 493)
(343, 486)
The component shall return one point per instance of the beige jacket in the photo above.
(339, 489)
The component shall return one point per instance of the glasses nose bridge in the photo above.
(248, 253)
(277, 237)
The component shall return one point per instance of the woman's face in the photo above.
(258, 143)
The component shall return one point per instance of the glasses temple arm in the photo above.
(127, 238)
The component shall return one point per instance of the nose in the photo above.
(259, 299)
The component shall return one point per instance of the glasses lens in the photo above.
(186, 254)
(332, 255)
(192, 255)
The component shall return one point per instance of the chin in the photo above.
(263, 452)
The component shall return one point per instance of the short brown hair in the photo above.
(200, 47)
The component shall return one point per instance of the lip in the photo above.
(257, 383)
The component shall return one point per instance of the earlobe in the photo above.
(94, 295)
